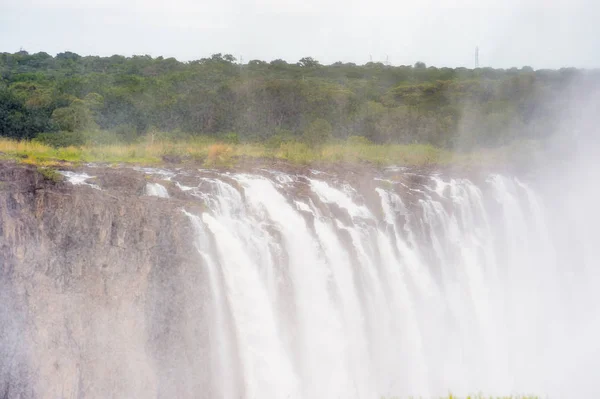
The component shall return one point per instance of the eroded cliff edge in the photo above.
(98, 290)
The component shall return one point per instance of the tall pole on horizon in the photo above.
(476, 57)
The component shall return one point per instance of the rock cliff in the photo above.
(97, 289)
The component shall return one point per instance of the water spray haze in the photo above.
(310, 228)
(303, 284)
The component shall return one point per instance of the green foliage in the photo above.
(101, 137)
(94, 102)
(61, 139)
(214, 96)
(521, 153)
(18, 120)
(231, 138)
(126, 132)
(297, 153)
(280, 137)
(317, 133)
(173, 135)
(75, 117)
(308, 62)
(50, 174)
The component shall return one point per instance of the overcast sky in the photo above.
(539, 33)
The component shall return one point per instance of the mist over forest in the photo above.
(225, 228)
(275, 101)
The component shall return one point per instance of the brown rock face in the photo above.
(100, 291)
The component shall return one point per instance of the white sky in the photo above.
(542, 34)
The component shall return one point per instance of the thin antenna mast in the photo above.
(477, 57)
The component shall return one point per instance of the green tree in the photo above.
(19, 121)
(75, 117)
(308, 62)
(214, 95)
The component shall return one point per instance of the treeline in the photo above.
(256, 101)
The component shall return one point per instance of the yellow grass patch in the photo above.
(212, 153)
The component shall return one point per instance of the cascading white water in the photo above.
(156, 190)
(440, 287)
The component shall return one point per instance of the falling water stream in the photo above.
(318, 290)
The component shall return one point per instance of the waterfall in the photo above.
(319, 289)
(156, 190)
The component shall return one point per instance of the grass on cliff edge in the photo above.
(211, 153)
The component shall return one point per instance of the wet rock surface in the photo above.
(101, 285)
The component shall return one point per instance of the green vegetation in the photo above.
(61, 139)
(50, 174)
(212, 153)
(122, 99)
(147, 110)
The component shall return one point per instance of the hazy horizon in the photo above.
(536, 33)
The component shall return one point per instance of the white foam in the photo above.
(78, 179)
(156, 190)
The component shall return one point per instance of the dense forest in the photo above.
(256, 101)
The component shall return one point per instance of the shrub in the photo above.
(174, 135)
(50, 174)
(61, 139)
(317, 133)
(231, 138)
(101, 137)
(74, 117)
(280, 137)
(126, 132)
(297, 152)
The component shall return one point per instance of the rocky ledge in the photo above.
(95, 286)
